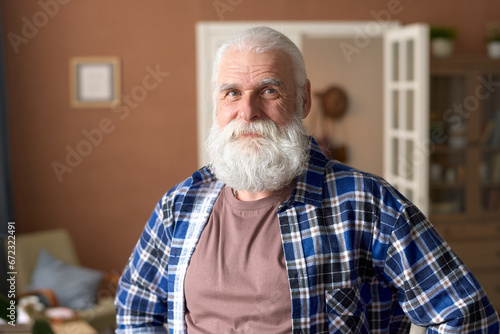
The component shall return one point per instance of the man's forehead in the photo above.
(273, 64)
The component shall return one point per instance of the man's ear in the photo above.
(306, 103)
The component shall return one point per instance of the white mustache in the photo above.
(262, 128)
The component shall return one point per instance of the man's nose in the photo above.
(250, 109)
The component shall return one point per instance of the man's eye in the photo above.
(232, 93)
(270, 91)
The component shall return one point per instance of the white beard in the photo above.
(266, 162)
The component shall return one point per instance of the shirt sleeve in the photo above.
(141, 298)
(436, 290)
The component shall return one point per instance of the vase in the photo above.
(494, 49)
(441, 47)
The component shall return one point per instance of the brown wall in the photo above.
(108, 196)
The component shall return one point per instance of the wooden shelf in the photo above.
(490, 184)
(446, 185)
(490, 149)
(440, 149)
(462, 64)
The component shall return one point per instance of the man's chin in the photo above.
(245, 172)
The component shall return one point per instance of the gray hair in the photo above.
(260, 40)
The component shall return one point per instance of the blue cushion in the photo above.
(75, 287)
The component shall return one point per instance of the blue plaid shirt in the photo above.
(360, 259)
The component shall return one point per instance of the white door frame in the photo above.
(209, 35)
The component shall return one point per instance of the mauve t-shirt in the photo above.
(236, 281)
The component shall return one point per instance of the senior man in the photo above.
(272, 237)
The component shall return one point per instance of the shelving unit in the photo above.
(464, 162)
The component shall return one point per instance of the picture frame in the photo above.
(95, 82)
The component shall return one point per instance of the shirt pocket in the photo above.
(346, 311)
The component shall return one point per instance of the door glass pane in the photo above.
(395, 109)
(447, 180)
(490, 145)
(410, 61)
(395, 61)
(447, 201)
(447, 92)
(409, 160)
(410, 103)
(409, 195)
(395, 155)
(490, 179)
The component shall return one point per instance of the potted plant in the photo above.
(493, 39)
(442, 39)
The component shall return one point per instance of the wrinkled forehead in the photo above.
(273, 63)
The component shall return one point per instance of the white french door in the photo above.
(406, 112)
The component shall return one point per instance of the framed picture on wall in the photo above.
(94, 82)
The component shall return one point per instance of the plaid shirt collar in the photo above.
(309, 188)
